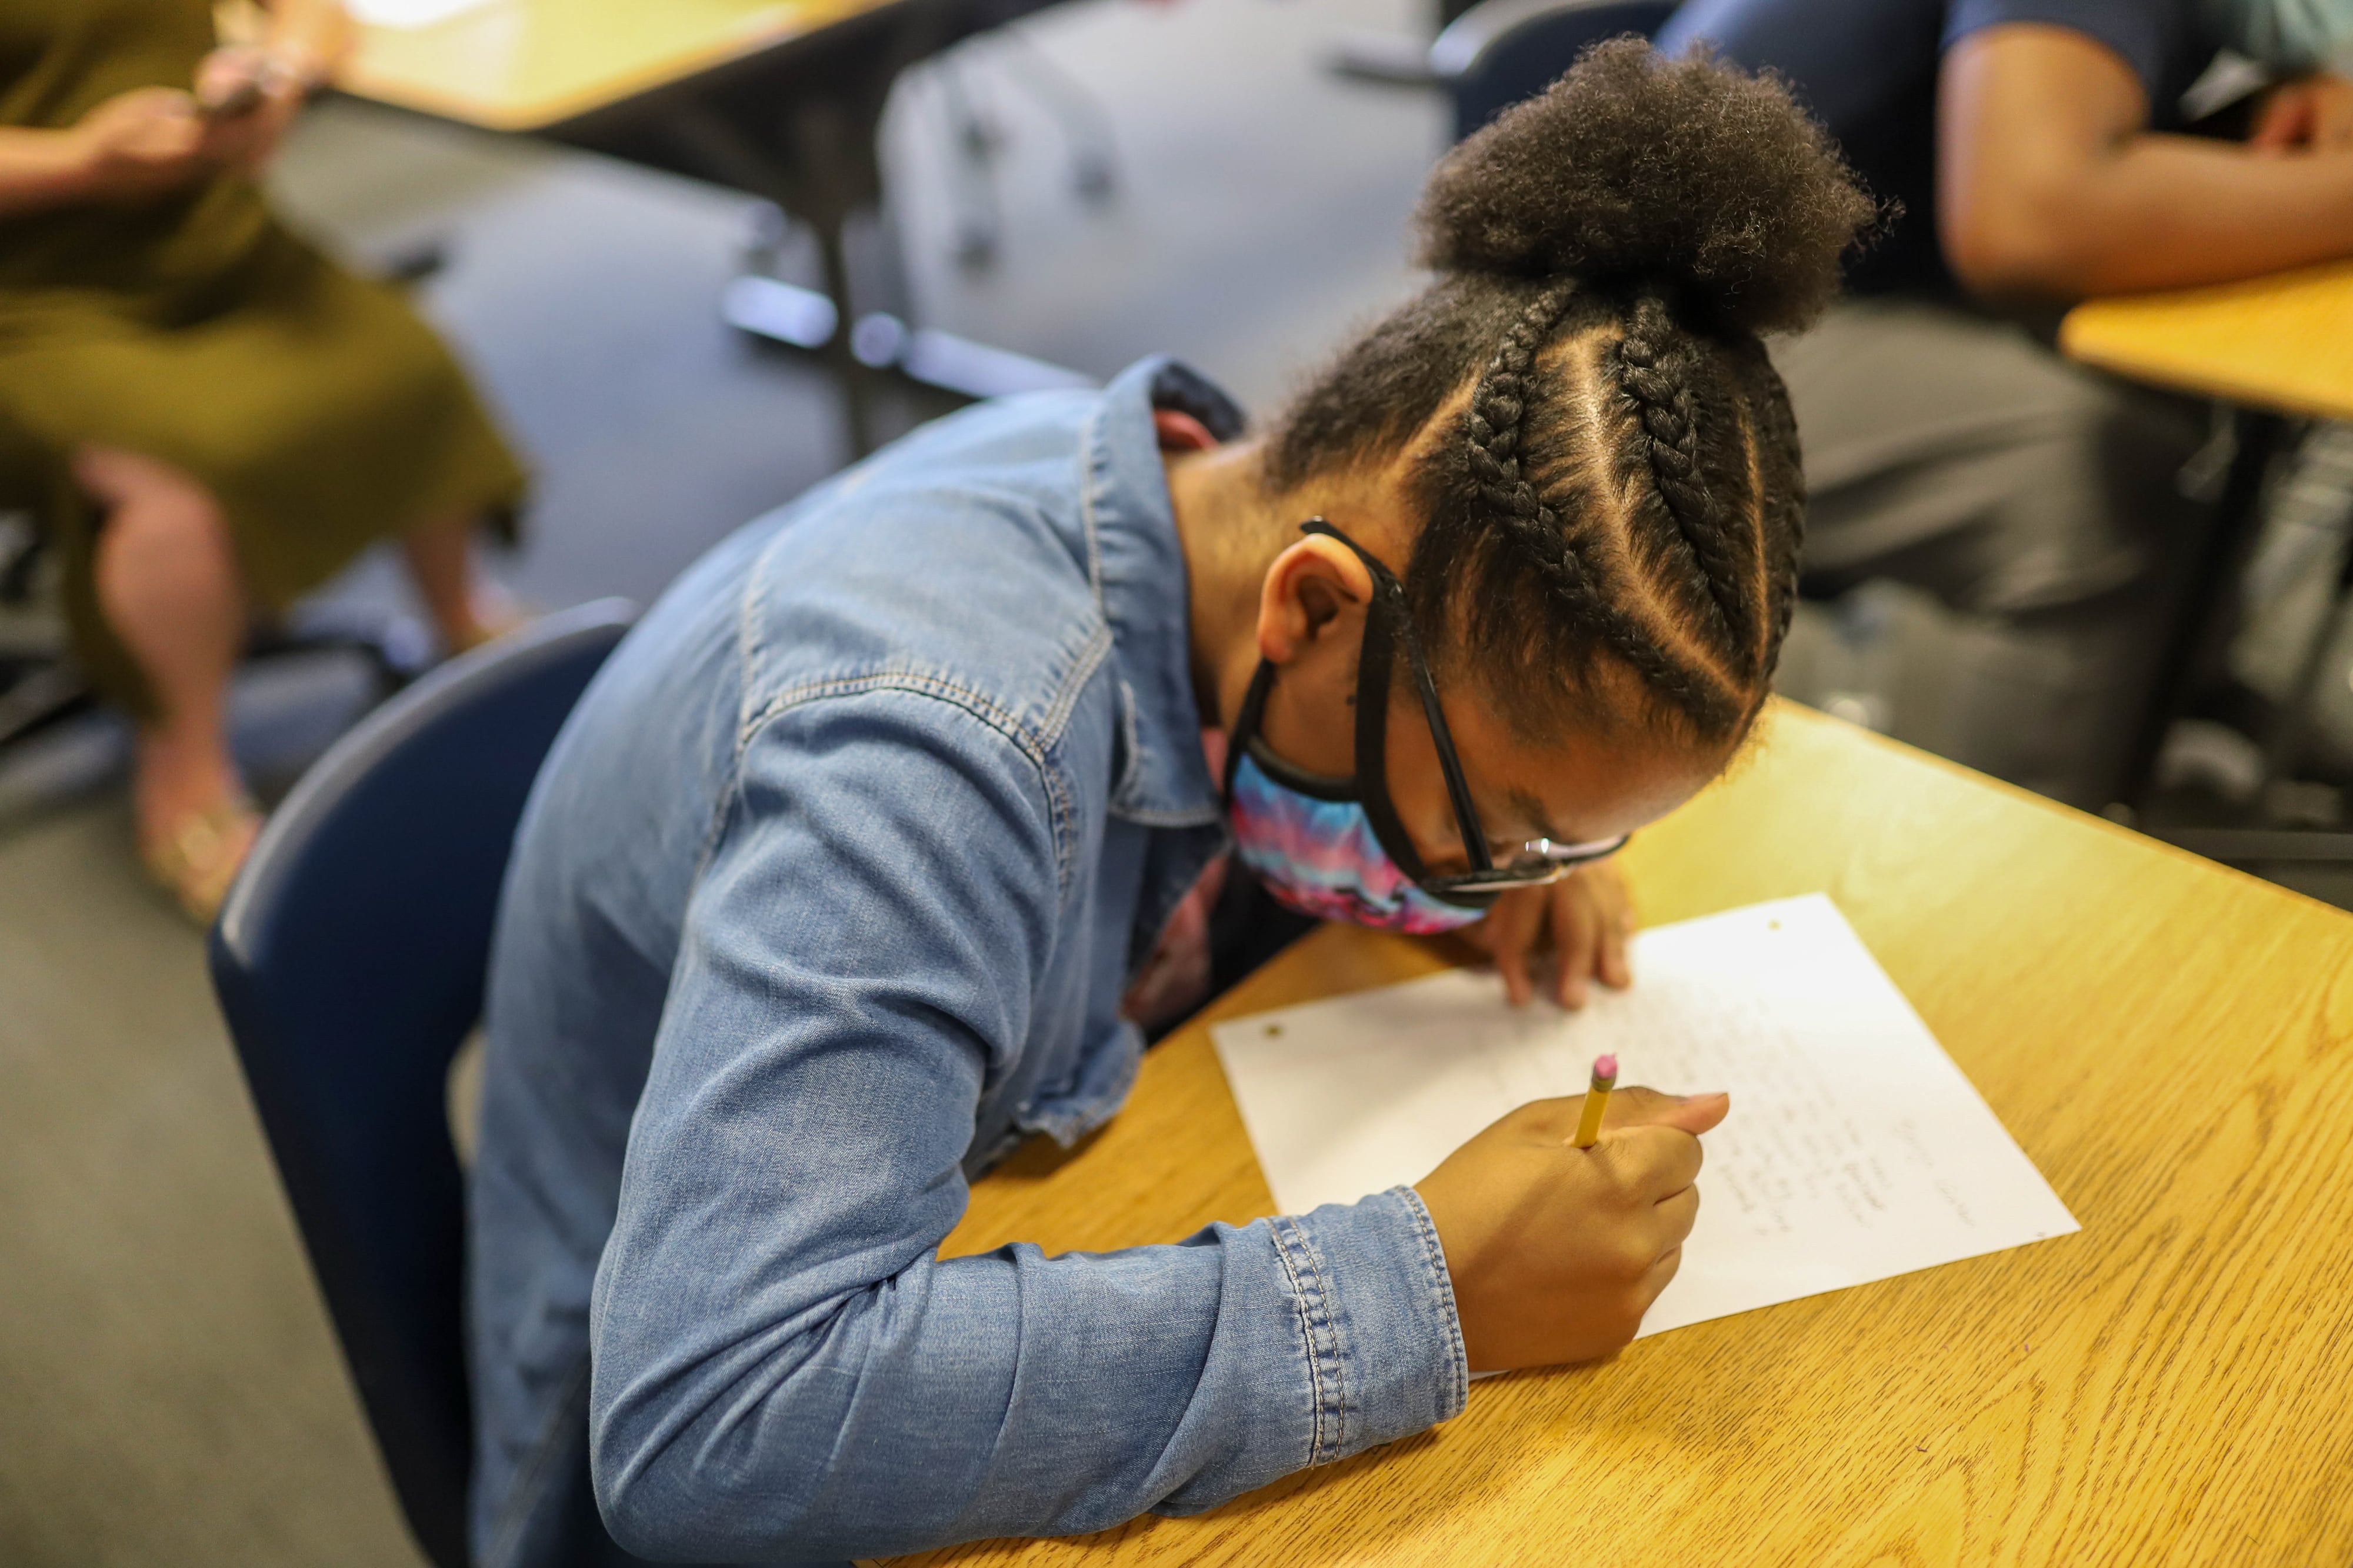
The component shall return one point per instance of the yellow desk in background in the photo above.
(527, 64)
(2283, 342)
(2172, 1044)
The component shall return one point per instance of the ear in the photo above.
(1181, 432)
(1314, 591)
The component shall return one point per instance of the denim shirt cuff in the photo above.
(1376, 1307)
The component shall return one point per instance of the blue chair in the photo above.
(350, 960)
(1501, 51)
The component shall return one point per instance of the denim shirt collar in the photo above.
(1138, 570)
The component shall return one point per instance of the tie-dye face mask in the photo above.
(1335, 849)
(1315, 849)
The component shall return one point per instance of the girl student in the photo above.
(843, 878)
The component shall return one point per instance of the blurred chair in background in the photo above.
(1496, 53)
(1396, 59)
(977, 134)
(349, 962)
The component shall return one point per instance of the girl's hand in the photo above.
(148, 141)
(1586, 917)
(1556, 1251)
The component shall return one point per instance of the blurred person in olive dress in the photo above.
(206, 416)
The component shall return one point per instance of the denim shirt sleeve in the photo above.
(782, 1365)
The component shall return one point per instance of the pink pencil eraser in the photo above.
(1605, 1067)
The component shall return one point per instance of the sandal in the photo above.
(505, 614)
(199, 861)
(485, 636)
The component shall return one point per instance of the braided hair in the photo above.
(1608, 462)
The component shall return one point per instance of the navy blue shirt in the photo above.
(1868, 70)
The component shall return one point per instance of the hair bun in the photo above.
(1634, 170)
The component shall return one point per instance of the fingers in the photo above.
(1615, 902)
(1576, 930)
(1652, 1162)
(146, 126)
(1592, 916)
(1676, 1215)
(1585, 919)
(247, 142)
(2281, 124)
(1662, 1273)
(150, 103)
(1611, 966)
(1636, 1106)
(1512, 928)
(1631, 1109)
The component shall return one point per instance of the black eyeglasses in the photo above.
(1534, 863)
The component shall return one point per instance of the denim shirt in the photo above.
(827, 897)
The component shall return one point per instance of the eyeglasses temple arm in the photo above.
(1466, 815)
(1389, 601)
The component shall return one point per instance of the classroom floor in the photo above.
(170, 1390)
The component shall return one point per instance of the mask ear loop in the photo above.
(1374, 657)
(1246, 722)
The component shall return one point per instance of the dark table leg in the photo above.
(817, 167)
(2200, 642)
(2283, 747)
(802, 134)
(2210, 611)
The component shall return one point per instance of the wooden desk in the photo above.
(527, 64)
(2171, 1042)
(2283, 341)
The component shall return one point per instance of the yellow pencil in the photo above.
(1597, 1101)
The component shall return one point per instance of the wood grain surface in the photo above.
(2285, 341)
(2167, 1038)
(524, 65)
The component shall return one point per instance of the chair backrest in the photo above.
(1501, 51)
(350, 960)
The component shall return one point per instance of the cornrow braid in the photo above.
(1608, 534)
(1655, 362)
(1494, 429)
(1771, 399)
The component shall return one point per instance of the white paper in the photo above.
(409, 13)
(1855, 1149)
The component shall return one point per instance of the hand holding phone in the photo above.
(233, 80)
(248, 98)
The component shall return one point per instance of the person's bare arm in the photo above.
(2051, 186)
(153, 140)
(135, 145)
(38, 169)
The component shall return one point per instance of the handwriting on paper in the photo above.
(1855, 1150)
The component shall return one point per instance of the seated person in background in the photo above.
(225, 416)
(2034, 147)
(832, 888)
